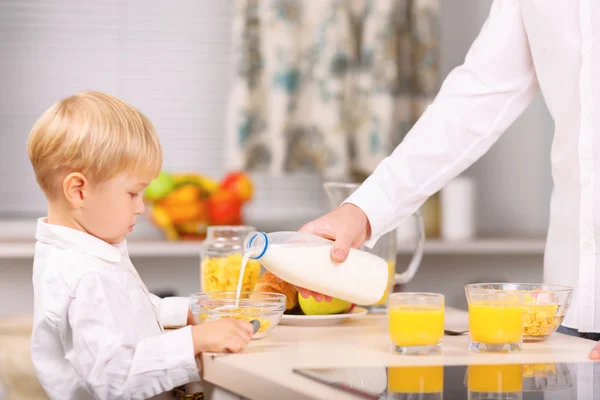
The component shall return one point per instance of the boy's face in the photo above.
(111, 207)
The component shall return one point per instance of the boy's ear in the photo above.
(75, 187)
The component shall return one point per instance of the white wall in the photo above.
(170, 60)
(513, 188)
(152, 48)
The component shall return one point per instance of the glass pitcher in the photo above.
(386, 245)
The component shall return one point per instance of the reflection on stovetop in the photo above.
(561, 381)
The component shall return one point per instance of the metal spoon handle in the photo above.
(454, 333)
(256, 324)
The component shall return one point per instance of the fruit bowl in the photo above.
(183, 205)
(545, 306)
(267, 308)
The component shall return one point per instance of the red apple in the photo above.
(224, 208)
(240, 184)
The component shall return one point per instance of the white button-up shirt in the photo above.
(524, 46)
(97, 332)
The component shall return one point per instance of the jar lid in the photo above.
(226, 237)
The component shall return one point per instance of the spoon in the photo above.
(454, 333)
(256, 324)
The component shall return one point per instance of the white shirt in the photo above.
(97, 332)
(524, 46)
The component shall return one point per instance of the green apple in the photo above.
(310, 306)
(160, 187)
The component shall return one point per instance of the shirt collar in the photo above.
(68, 238)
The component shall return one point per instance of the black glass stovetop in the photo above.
(561, 381)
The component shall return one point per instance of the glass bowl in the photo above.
(545, 306)
(546, 377)
(267, 308)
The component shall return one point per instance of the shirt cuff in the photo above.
(377, 207)
(181, 363)
(174, 312)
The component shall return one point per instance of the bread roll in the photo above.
(270, 283)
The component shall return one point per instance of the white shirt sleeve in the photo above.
(173, 311)
(110, 360)
(476, 103)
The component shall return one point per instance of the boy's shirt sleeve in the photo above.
(172, 311)
(110, 360)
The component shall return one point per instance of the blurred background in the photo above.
(293, 93)
(271, 88)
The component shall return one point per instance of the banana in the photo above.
(208, 184)
(162, 219)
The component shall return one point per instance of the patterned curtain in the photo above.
(328, 86)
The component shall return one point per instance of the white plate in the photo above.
(321, 320)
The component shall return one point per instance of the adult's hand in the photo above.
(348, 226)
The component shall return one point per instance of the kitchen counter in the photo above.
(21, 248)
(17, 241)
(264, 369)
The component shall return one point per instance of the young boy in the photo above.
(98, 333)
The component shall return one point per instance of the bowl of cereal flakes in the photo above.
(267, 308)
(545, 309)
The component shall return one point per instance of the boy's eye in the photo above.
(134, 194)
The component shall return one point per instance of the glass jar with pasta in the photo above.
(222, 260)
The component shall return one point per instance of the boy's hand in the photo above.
(190, 318)
(222, 336)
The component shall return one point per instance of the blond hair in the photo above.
(93, 133)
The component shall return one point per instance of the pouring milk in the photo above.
(304, 260)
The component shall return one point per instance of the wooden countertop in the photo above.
(264, 369)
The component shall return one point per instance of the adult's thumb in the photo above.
(341, 247)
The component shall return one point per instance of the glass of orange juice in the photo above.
(496, 317)
(416, 322)
(490, 382)
(422, 382)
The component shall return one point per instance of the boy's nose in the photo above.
(140, 207)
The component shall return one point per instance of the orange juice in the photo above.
(495, 378)
(416, 325)
(494, 323)
(391, 281)
(415, 379)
